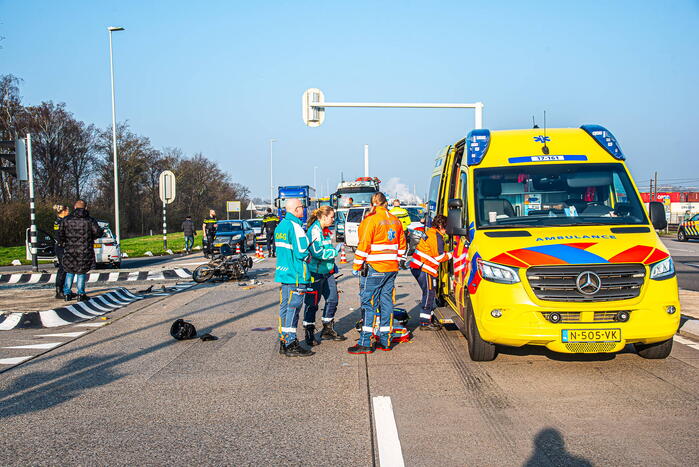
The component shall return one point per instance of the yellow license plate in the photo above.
(591, 335)
(98, 245)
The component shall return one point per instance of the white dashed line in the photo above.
(90, 325)
(48, 345)
(63, 334)
(14, 361)
(390, 453)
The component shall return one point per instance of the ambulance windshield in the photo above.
(555, 195)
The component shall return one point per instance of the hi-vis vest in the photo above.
(429, 253)
(381, 241)
(403, 216)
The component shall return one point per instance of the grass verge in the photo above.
(134, 247)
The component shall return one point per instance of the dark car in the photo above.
(237, 232)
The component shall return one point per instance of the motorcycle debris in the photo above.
(262, 329)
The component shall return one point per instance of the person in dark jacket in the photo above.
(77, 235)
(189, 233)
(61, 213)
(270, 222)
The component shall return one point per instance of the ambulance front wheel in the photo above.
(478, 349)
(681, 235)
(657, 350)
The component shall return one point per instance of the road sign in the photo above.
(233, 206)
(313, 116)
(251, 206)
(167, 186)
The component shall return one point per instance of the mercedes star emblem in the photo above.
(588, 283)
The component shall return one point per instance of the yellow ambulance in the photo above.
(552, 245)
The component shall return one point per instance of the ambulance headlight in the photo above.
(662, 270)
(497, 272)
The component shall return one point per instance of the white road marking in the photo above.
(390, 453)
(90, 325)
(48, 345)
(14, 278)
(63, 334)
(113, 276)
(11, 321)
(682, 340)
(14, 360)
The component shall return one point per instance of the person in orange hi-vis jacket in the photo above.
(424, 266)
(381, 244)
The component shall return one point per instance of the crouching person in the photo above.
(293, 274)
(425, 266)
(323, 269)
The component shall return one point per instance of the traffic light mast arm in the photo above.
(315, 105)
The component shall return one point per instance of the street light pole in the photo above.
(117, 230)
(271, 179)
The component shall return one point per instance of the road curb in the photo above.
(117, 276)
(689, 328)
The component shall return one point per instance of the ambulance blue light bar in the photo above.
(477, 143)
(606, 139)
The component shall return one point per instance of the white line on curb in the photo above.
(390, 453)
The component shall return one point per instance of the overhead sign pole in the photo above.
(167, 189)
(314, 106)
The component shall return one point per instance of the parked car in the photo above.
(257, 226)
(236, 232)
(354, 218)
(107, 250)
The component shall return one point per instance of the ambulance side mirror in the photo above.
(454, 218)
(657, 215)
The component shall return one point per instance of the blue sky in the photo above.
(222, 77)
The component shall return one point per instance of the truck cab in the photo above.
(552, 245)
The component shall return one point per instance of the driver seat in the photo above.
(490, 200)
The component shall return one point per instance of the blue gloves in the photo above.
(355, 272)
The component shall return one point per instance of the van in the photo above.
(352, 221)
(552, 245)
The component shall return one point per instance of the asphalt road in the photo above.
(128, 394)
(686, 258)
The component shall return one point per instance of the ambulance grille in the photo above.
(558, 283)
(590, 347)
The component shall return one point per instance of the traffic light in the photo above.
(18, 158)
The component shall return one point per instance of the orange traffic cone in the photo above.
(343, 257)
(260, 252)
(237, 248)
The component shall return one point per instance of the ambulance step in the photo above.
(447, 316)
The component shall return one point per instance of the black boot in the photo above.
(310, 335)
(295, 350)
(360, 349)
(329, 333)
(59, 293)
(281, 347)
(69, 297)
(83, 297)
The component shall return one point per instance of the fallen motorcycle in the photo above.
(225, 265)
